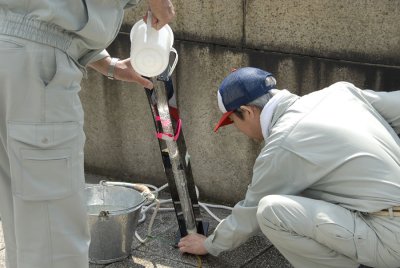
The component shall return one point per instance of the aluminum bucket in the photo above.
(113, 214)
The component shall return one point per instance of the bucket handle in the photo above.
(145, 191)
(147, 194)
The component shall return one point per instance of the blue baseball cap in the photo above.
(241, 87)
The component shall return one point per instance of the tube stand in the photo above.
(175, 157)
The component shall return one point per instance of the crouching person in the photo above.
(326, 185)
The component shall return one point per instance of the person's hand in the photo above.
(193, 244)
(124, 72)
(162, 13)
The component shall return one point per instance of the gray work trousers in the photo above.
(42, 202)
(316, 234)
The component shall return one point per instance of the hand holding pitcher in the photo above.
(150, 48)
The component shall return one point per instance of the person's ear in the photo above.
(248, 110)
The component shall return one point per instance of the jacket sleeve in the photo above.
(387, 104)
(268, 178)
(234, 230)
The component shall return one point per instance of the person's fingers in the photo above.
(155, 23)
(185, 249)
(144, 82)
(163, 11)
(185, 239)
(127, 73)
(181, 243)
(159, 24)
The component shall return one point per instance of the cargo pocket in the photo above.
(44, 159)
(366, 242)
(337, 237)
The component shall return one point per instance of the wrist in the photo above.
(111, 68)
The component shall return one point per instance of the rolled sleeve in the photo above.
(92, 56)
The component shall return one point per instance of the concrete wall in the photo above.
(307, 44)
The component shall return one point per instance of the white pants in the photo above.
(42, 202)
(316, 234)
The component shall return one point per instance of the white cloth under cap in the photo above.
(221, 105)
(269, 108)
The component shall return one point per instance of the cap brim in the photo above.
(225, 120)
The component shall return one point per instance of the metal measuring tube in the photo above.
(176, 161)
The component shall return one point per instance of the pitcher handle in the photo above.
(175, 62)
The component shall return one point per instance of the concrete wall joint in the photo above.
(245, 49)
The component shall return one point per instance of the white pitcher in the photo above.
(150, 48)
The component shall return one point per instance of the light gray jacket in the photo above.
(339, 144)
(81, 28)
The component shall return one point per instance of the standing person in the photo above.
(326, 185)
(45, 46)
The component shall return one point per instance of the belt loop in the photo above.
(391, 213)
